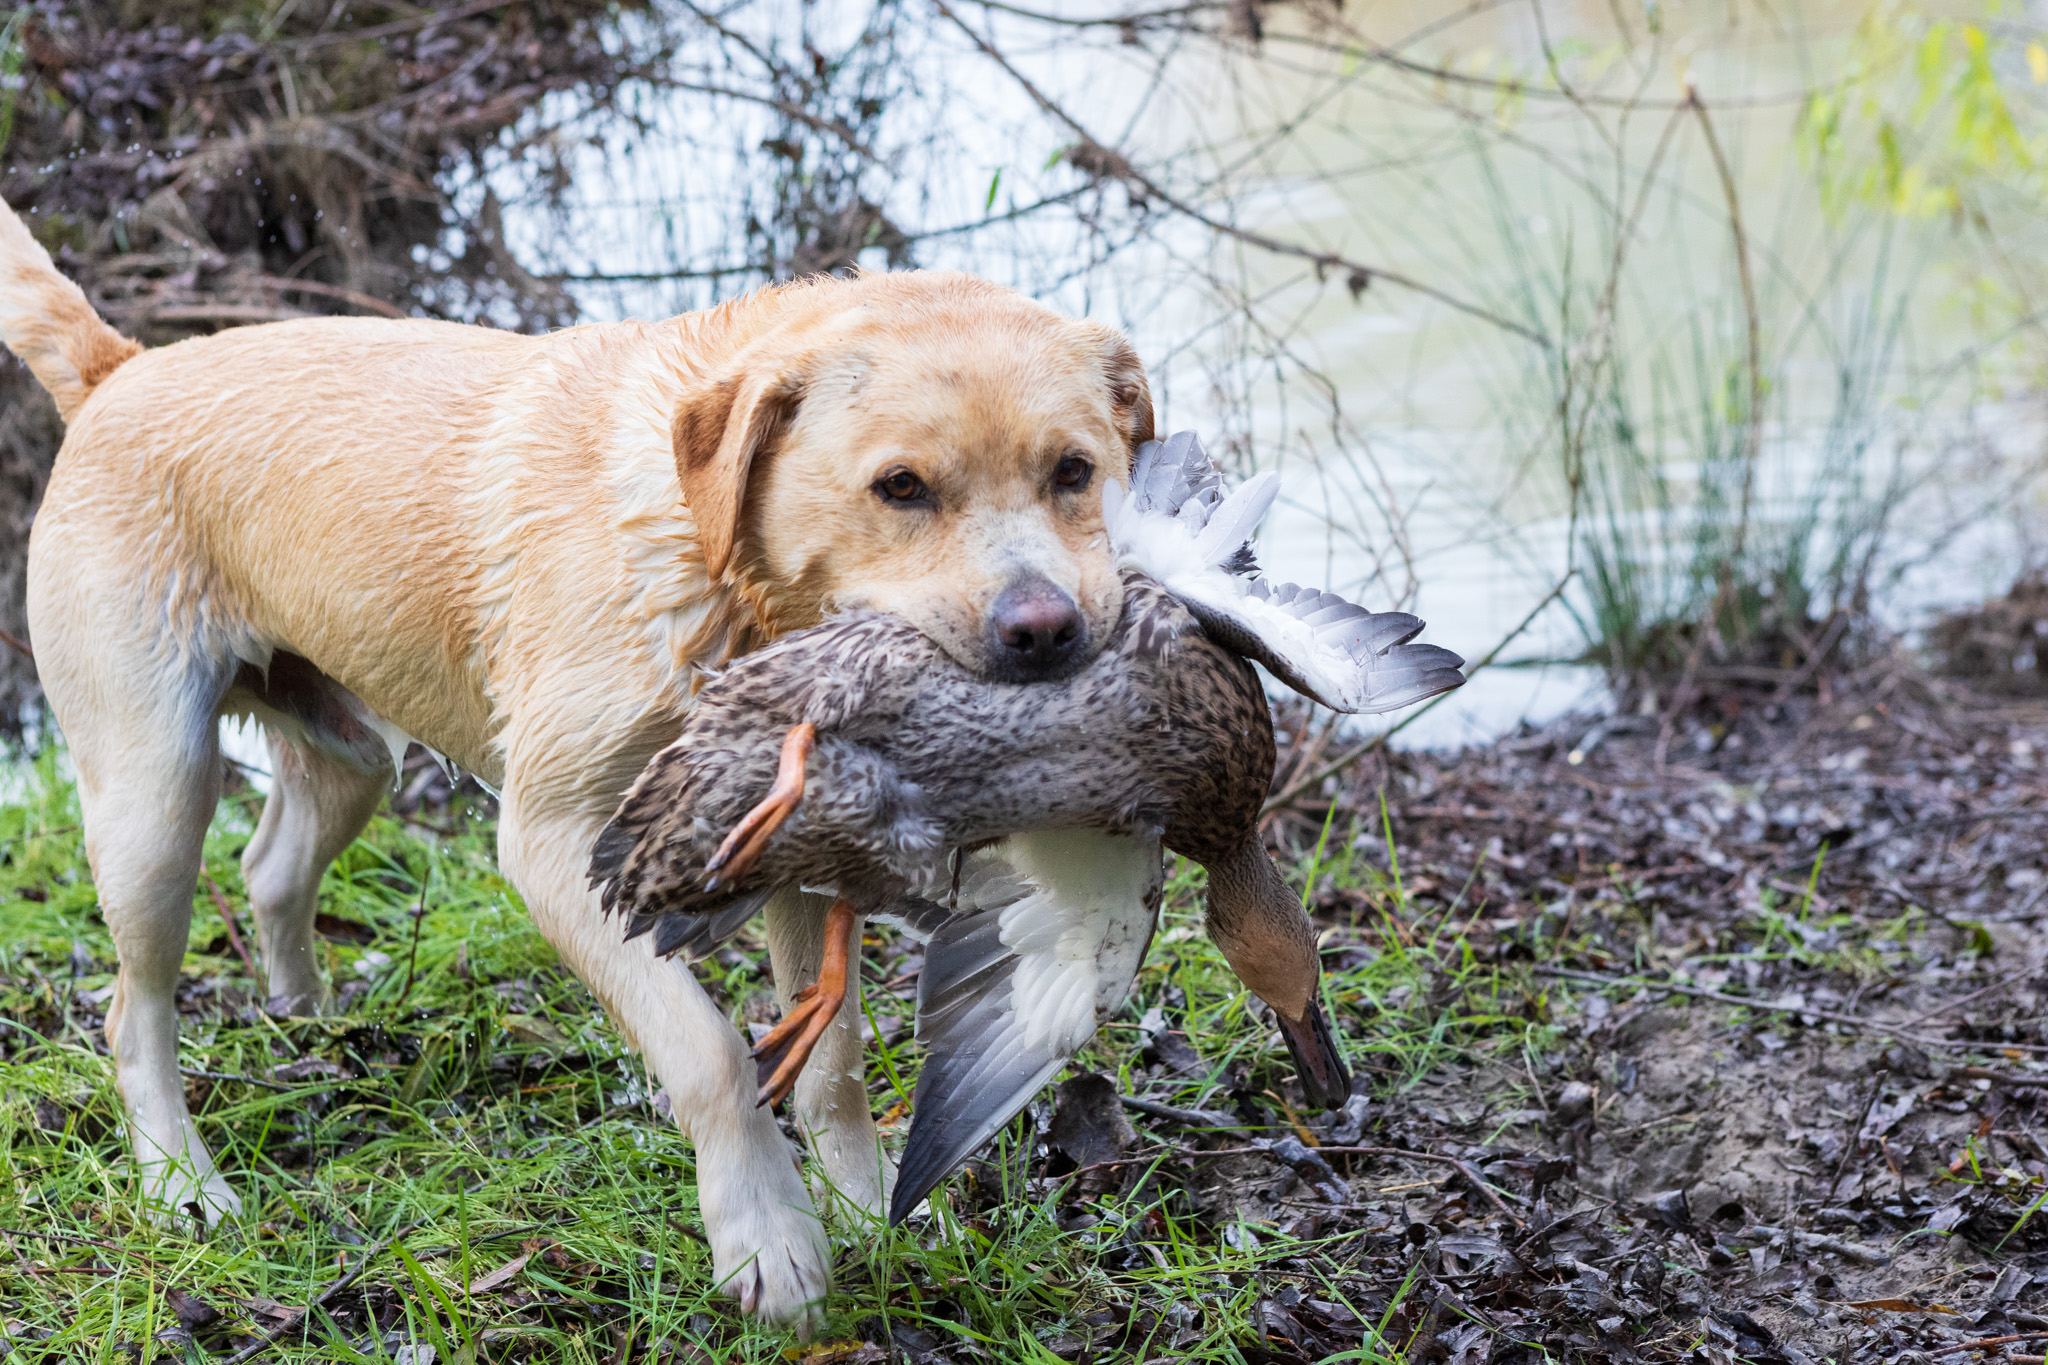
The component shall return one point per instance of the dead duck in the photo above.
(882, 758)
(886, 759)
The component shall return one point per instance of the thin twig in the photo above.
(61, 1237)
(1464, 1168)
(232, 1076)
(1980, 1073)
(1186, 1118)
(1853, 1020)
(227, 916)
(1115, 166)
(2011, 979)
(1985, 1343)
(18, 643)
(1855, 1140)
(1752, 439)
(369, 302)
(334, 1286)
(412, 961)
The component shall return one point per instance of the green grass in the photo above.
(473, 1092)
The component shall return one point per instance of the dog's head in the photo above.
(929, 445)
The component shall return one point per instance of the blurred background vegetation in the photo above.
(1661, 347)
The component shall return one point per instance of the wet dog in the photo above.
(518, 550)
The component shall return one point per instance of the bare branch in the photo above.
(1092, 157)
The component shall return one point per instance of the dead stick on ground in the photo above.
(1986, 1343)
(227, 916)
(18, 643)
(1939, 1010)
(335, 1286)
(1979, 1073)
(419, 912)
(1857, 1021)
(1462, 1167)
(1343, 761)
(1855, 1139)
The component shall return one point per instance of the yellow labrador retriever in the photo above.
(518, 550)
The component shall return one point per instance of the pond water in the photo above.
(1420, 446)
(1880, 371)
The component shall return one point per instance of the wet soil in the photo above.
(1794, 950)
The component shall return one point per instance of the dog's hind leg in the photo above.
(831, 1092)
(767, 1246)
(316, 807)
(145, 744)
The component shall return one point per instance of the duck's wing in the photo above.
(1324, 646)
(1168, 473)
(1049, 932)
(1178, 526)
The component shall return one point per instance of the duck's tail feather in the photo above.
(698, 935)
(608, 858)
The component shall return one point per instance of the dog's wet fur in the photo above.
(520, 551)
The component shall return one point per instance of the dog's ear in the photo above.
(1130, 396)
(719, 434)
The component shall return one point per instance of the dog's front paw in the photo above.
(777, 1262)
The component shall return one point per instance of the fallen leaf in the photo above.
(1089, 1124)
(342, 930)
(837, 1353)
(531, 1028)
(1904, 1306)
(501, 1275)
(194, 1313)
(271, 1311)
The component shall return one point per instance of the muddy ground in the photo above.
(1831, 1146)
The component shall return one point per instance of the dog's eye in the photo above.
(1073, 473)
(900, 485)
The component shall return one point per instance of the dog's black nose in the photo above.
(1038, 631)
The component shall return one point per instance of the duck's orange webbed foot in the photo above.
(744, 844)
(782, 1053)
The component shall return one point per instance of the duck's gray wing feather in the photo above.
(1328, 648)
(1171, 472)
(979, 1070)
(1226, 535)
(1002, 1003)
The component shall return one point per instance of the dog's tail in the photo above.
(45, 319)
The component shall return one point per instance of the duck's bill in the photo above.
(1325, 1080)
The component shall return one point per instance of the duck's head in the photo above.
(1268, 940)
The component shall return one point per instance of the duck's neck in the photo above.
(1264, 933)
(1269, 942)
